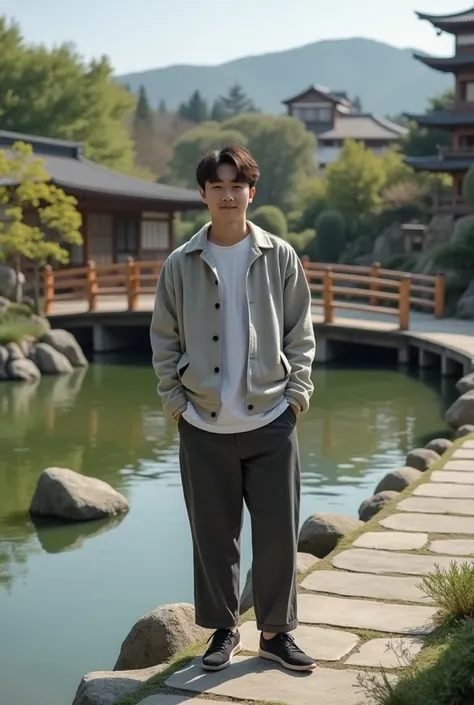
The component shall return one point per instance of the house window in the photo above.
(313, 114)
(126, 241)
(155, 234)
(467, 91)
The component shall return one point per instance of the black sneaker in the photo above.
(283, 648)
(224, 646)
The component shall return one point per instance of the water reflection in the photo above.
(56, 537)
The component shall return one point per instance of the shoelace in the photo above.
(220, 638)
(290, 643)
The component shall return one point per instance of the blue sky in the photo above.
(141, 34)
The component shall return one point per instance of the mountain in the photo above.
(388, 80)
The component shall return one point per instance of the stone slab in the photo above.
(365, 560)
(444, 489)
(432, 505)
(391, 540)
(468, 444)
(387, 653)
(453, 547)
(432, 523)
(365, 614)
(463, 454)
(163, 699)
(459, 478)
(254, 679)
(460, 465)
(379, 587)
(321, 644)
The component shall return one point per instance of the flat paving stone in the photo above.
(391, 540)
(251, 678)
(459, 478)
(380, 587)
(365, 614)
(365, 560)
(463, 454)
(460, 465)
(468, 444)
(444, 489)
(321, 644)
(453, 547)
(431, 505)
(387, 653)
(163, 699)
(432, 523)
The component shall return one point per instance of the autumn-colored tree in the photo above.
(38, 218)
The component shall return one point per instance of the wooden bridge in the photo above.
(370, 290)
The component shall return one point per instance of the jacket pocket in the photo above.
(285, 364)
(182, 365)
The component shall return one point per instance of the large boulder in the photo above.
(462, 411)
(23, 370)
(464, 430)
(8, 282)
(466, 383)
(372, 505)
(439, 445)
(398, 480)
(107, 687)
(50, 361)
(304, 562)
(65, 343)
(158, 636)
(27, 344)
(3, 362)
(465, 305)
(14, 351)
(321, 533)
(67, 495)
(421, 459)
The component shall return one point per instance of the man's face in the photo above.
(227, 199)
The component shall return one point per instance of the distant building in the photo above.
(330, 116)
(459, 119)
(121, 216)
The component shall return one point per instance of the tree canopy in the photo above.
(54, 93)
(423, 141)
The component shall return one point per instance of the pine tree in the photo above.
(237, 101)
(218, 112)
(143, 112)
(162, 106)
(195, 109)
(357, 105)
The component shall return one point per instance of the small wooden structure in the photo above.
(458, 120)
(122, 216)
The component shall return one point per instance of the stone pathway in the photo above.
(373, 585)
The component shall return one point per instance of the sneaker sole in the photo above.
(235, 651)
(273, 657)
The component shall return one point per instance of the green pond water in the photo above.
(70, 594)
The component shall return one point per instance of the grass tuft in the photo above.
(452, 590)
(16, 324)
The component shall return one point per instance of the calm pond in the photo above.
(69, 595)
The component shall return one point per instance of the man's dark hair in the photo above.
(233, 154)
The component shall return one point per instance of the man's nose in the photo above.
(227, 196)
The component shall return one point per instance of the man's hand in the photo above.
(177, 416)
(295, 409)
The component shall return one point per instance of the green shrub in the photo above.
(468, 187)
(301, 241)
(330, 239)
(452, 591)
(401, 261)
(271, 219)
(459, 254)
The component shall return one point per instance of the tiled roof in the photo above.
(338, 97)
(70, 170)
(363, 126)
(435, 163)
(447, 64)
(444, 118)
(455, 20)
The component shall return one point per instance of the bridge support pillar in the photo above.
(403, 355)
(448, 367)
(106, 339)
(324, 350)
(426, 359)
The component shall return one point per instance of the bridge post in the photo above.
(404, 303)
(92, 285)
(133, 283)
(48, 286)
(374, 286)
(328, 294)
(439, 295)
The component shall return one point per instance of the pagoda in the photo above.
(459, 118)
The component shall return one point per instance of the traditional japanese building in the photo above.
(122, 216)
(459, 118)
(332, 118)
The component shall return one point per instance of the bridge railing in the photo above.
(346, 287)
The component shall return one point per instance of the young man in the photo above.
(233, 346)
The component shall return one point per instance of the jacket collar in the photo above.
(199, 241)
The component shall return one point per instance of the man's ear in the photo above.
(202, 193)
(252, 193)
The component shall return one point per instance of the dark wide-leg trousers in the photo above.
(219, 472)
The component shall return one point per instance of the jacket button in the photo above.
(218, 305)
(215, 338)
(213, 414)
(250, 407)
(216, 370)
(216, 283)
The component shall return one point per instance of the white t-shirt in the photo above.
(232, 264)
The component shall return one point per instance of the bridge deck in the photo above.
(449, 332)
